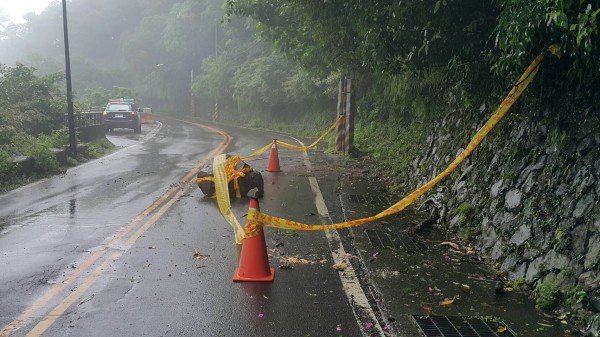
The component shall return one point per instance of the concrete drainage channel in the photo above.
(419, 286)
(382, 239)
(432, 325)
(457, 326)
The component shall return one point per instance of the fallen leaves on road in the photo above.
(340, 266)
(198, 256)
(447, 302)
(451, 244)
(385, 274)
(288, 262)
(294, 260)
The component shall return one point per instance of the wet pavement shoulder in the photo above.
(417, 279)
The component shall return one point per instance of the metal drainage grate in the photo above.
(381, 239)
(368, 199)
(458, 326)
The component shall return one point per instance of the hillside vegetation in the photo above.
(418, 67)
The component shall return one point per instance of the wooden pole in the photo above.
(349, 143)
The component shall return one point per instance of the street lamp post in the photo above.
(70, 114)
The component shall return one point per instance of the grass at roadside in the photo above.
(41, 160)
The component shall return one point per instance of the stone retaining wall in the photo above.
(528, 198)
(26, 165)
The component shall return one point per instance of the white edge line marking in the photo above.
(350, 282)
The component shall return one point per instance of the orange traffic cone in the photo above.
(274, 159)
(254, 261)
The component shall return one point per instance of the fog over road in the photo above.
(107, 248)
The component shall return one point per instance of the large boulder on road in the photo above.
(246, 177)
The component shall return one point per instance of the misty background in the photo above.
(162, 53)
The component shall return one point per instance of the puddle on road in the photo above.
(443, 280)
(10, 222)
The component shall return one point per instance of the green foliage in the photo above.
(556, 290)
(58, 138)
(547, 293)
(7, 167)
(394, 115)
(71, 161)
(573, 296)
(518, 284)
(31, 116)
(40, 150)
(526, 27)
(97, 148)
(561, 238)
(392, 144)
(97, 97)
(465, 210)
(258, 83)
(312, 125)
(378, 36)
(92, 152)
(105, 144)
(28, 103)
(557, 138)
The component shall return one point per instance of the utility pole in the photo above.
(344, 141)
(70, 114)
(340, 129)
(349, 141)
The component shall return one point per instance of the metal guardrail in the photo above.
(85, 118)
(95, 117)
(91, 117)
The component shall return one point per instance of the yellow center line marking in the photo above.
(133, 238)
(60, 309)
(57, 288)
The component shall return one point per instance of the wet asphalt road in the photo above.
(107, 248)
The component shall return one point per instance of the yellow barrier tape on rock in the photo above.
(255, 218)
(231, 173)
(222, 192)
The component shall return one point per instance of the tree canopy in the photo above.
(164, 51)
(29, 103)
(383, 36)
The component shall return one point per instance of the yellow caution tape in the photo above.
(256, 218)
(257, 152)
(222, 192)
(314, 144)
(294, 147)
(231, 173)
